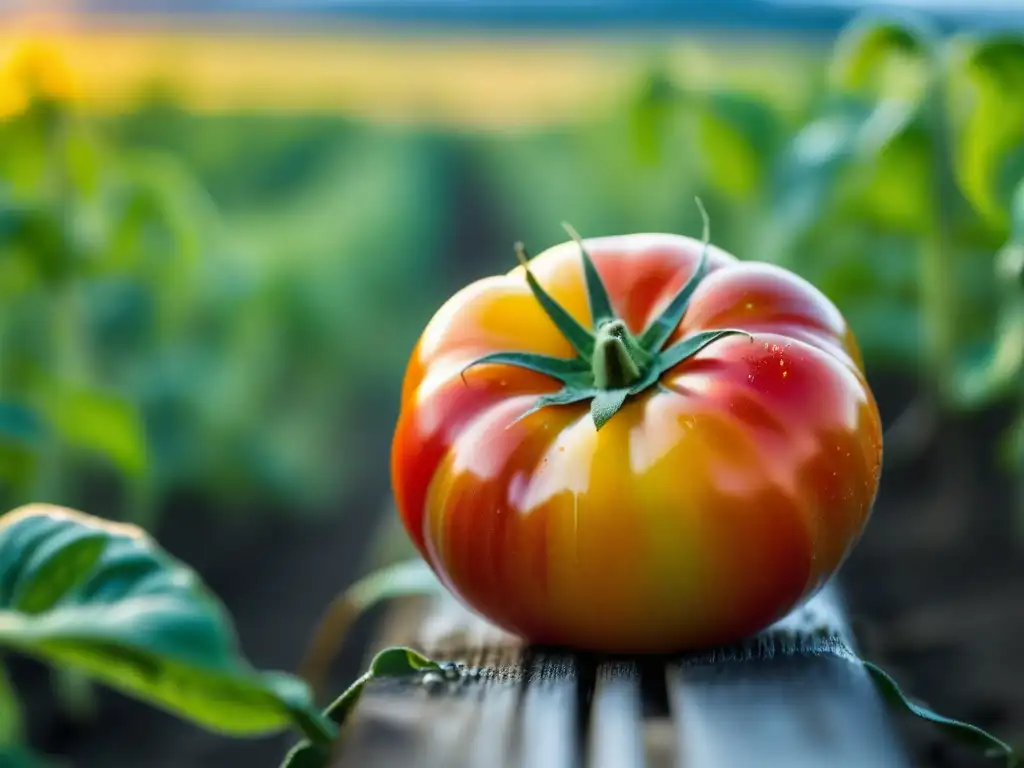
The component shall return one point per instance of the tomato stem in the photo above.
(610, 364)
(618, 358)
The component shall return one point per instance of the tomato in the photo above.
(636, 444)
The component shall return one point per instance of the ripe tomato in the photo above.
(636, 444)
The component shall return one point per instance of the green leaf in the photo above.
(999, 372)
(597, 295)
(738, 138)
(404, 579)
(581, 339)
(894, 190)
(565, 396)
(872, 41)
(965, 732)
(606, 403)
(104, 599)
(561, 368)
(99, 422)
(990, 153)
(391, 662)
(650, 115)
(851, 133)
(690, 346)
(56, 561)
(655, 336)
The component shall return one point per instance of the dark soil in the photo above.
(936, 586)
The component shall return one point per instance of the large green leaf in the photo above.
(990, 152)
(103, 598)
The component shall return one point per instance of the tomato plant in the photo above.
(636, 444)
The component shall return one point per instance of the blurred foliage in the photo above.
(222, 305)
(150, 337)
(219, 307)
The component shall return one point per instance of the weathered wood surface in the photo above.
(792, 697)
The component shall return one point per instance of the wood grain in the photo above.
(791, 697)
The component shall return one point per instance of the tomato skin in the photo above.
(700, 513)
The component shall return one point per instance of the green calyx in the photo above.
(611, 364)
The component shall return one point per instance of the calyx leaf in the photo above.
(600, 305)
(562, 368)
(606, 404)
(611, 364)
(658, 332)
(581, 339)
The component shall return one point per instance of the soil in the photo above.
(936, 586)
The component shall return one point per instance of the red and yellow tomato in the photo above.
(723, 485)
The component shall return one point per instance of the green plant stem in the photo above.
(617, 357)
(937, 268)
(11, 716)
(65, 359)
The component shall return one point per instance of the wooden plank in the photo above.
(616, 733)
(546, 737)
(791, 697)
(401, 725)
(796, 711)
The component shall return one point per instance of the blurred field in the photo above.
(498, 80)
